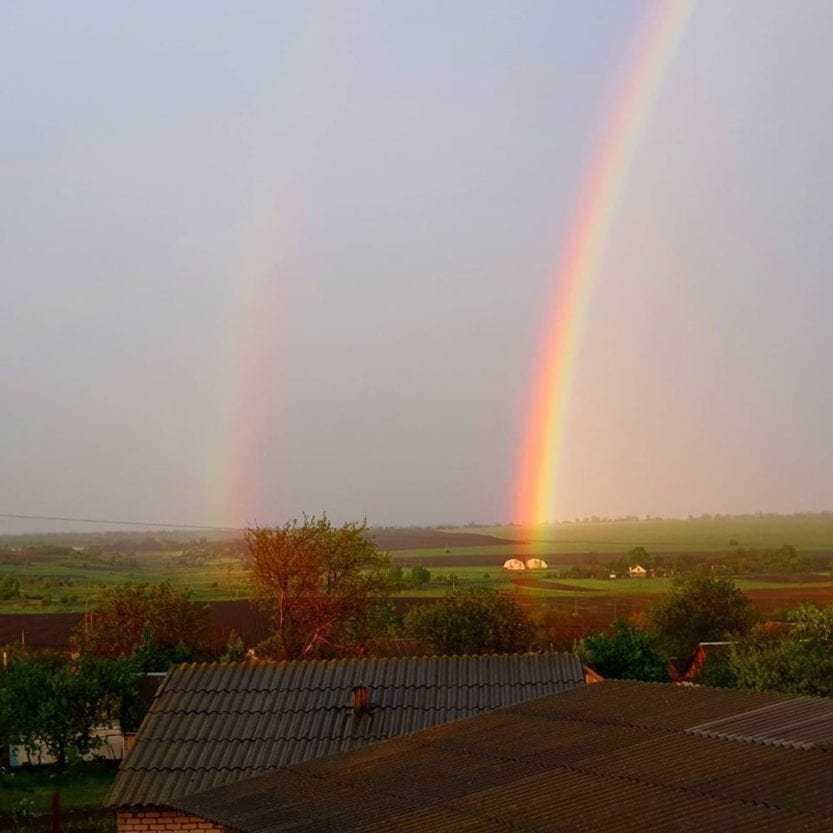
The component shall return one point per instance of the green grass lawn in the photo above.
(807, 533)
(82, 787)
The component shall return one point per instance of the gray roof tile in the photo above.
(803, 722)
(614, 756)
(217, 723)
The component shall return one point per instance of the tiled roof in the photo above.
(618, 756)
(800, 723)
(214, 724)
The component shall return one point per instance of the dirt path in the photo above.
(543, 584)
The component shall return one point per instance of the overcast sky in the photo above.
(265, 258)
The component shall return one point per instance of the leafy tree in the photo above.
(626, 654)
(323, 585)
(120, 621)
(639, 555)
(54, 704)
(787, 560)
(475, 621)
(9, 588)
(396, 576)
(149, 656)
(718, 670)
(700, 609)
(800, 662)
(420, 576)
(235, 649)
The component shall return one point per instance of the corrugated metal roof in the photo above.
(216, 723)
(804, 722)
(614, 756)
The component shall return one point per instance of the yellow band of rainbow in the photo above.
(538, 469)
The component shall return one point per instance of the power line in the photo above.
(16, 516)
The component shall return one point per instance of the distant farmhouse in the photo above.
(221, 723)
(618, 756)
(637, 571)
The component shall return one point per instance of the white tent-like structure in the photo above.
(536, 564)
(514, 564)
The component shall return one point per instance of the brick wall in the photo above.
(164, 821)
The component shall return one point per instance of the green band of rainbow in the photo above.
(534, 494)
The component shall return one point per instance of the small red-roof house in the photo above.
(687, 670)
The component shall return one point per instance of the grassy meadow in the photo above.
(66, 575)
(804, 532)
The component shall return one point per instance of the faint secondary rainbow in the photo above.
(534, 495)
(243, 462)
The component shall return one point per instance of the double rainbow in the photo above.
(534, 493)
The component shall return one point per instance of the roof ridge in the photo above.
(347, 686)
(355, 660)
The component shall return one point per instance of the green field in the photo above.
(804, 532)
(68, 581)
(68, 586)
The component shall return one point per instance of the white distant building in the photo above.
(514, 564)
(637, 571)
(536, 564)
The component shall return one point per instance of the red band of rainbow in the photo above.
(538, 470)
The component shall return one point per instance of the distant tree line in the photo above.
(734, 561)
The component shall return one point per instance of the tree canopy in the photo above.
(700, 609)
(325, 586)
(476, 621)
(49, 703)
(133, 615)
(626, 654)
(800, 662)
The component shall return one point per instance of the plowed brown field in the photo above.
(587, 610)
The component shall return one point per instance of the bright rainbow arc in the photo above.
(540, 456)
